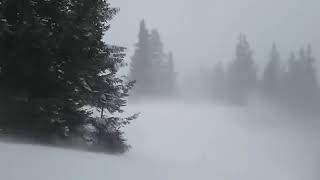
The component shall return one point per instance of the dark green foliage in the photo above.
(53, 63)
(104, 134)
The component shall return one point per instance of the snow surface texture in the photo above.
(177, 141)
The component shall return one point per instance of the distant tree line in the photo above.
(152, 68)
(53, 67)
(291, 85)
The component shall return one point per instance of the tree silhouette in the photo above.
(242, 74)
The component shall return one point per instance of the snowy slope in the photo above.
(176, 141)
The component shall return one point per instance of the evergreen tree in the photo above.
(242, 74)
(272, 74)
(300, 83)
(290, 76)
(141, 64)
(53, 64)
(301, 75)
(158, 64)
(151, 67)
(310, 72)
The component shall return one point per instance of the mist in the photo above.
(217, 127)
(208, 30)
(174, 140)
(160, 90)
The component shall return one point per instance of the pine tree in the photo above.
(310, 71)
(54, 63)
(301, 73)
(300, 83)
(290, 77)
(151, 67)
(242, 74)
(158, 64)
(271, 81)
(141, 64)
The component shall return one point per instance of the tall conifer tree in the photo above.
(141, 64)
(53, 63)
(272, 75)
(242, 74)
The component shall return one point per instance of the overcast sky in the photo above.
(202, 32)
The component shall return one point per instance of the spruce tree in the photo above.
(151, 68)
(242, 74)
(290, 76)
(271, 81)
(310, 71)
(54, 63)
(158, 64)
(300, 83)
(141, 64)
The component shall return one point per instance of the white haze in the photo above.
(198, 141)
(183, 141)
(202, 32)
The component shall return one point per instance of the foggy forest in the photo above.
(159, 90)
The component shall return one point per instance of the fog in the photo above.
(246, 107)
(224, 90)
(179, 140)
(208, 29)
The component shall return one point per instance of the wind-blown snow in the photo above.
(177, 141)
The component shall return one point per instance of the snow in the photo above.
(182, 141)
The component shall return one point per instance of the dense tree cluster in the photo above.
(53, 65)
(292, 85)
(235, 82)
(295, 84)
(152, 68)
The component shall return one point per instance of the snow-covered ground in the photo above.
(177, 141)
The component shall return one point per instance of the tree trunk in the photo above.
(102, 110)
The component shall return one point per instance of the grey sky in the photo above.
(206, 31)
